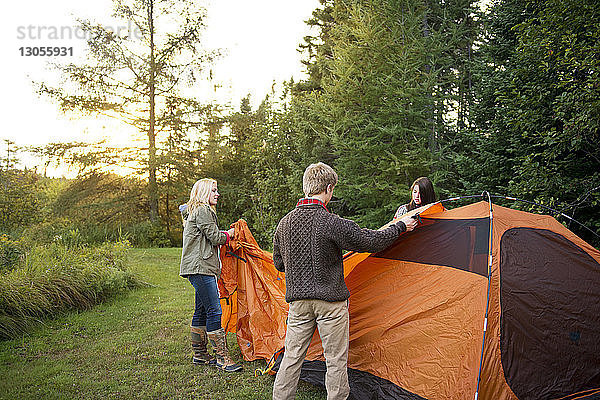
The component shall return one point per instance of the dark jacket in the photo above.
(308, 246)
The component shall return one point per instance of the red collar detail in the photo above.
(307, 201)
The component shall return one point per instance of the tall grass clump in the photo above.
(55, 278)
(12, 253)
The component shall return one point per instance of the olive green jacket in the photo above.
(201, 241)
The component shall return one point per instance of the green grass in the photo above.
(135, 346)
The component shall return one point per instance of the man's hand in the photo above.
(410, 223)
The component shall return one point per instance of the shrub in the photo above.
(158, 236)
(147, 234)
(46, 231)
(70, 234)
(57, 278)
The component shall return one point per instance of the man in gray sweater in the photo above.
(308, 246)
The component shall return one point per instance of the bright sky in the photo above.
(260, 37)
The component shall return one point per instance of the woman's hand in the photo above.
(231, 232)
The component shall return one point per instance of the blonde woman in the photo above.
(201, 265)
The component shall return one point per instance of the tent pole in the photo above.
(496, 196)
(487, 304)
(556, 212)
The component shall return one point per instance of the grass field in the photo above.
(135, 346)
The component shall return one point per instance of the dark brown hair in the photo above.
(426, 192)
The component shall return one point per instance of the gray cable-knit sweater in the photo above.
(308, 246)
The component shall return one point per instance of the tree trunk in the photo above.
(152, 186)
(169, 189)
(428, 68)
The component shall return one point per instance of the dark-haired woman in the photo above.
(422, 193)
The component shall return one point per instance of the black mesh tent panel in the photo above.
(550, 321)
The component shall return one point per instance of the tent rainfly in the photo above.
(478, 302)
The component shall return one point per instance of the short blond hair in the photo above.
(199, 194)
(317, 177)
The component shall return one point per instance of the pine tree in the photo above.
(386, 77)
(537, 114)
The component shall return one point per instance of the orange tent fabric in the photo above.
(252, 296)
(418, 309)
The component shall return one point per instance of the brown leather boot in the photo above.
(199, 346)
(224, 361)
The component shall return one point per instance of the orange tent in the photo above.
(477, 302)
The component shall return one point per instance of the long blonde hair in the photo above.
(200, 194)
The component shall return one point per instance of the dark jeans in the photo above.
(208, 308)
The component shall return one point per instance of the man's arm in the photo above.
(349, 236)
(277, 259)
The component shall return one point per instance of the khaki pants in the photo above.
(333, 323)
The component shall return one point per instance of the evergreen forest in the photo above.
(502, 97)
